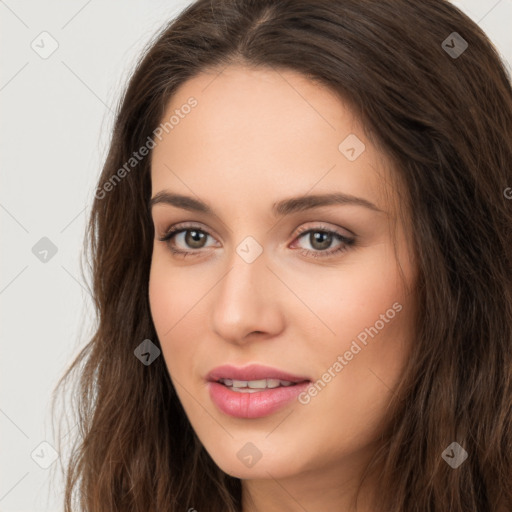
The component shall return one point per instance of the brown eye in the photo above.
(320, 240)
(194, 238)
(186, 240)
(189, 240)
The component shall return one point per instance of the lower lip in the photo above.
(253, 405)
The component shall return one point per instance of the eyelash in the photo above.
(346, 242)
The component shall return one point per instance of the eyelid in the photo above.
(319, 226)
(322, 226)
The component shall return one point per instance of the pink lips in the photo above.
(257, 404)
(251, 372)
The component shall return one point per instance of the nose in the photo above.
(247, 303)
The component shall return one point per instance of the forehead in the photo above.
(254, 128)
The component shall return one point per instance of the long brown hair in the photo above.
(443, 114)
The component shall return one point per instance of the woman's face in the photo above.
(276, 274)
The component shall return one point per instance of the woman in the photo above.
(301, 255)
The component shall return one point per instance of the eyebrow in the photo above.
(281, 208)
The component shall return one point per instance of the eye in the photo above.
(322, 238)
(191, 238)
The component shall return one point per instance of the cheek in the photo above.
(161, 300)
(351, 298)
(371, 319)
(174, 293)
(173, 303)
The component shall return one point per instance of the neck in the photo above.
(324, 488)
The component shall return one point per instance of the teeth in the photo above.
(257, 384)
(245, 390)
(252, 386)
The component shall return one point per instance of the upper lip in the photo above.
(252, 372)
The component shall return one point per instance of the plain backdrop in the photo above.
(63, 68)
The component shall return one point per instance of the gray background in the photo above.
(56, 114)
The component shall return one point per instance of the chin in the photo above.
(267, 461)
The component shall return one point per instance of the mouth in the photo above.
(253, 391)
(254, 386)
(253, 376)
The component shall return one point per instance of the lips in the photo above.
(253, 372)
(253, 391)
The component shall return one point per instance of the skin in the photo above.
(258, 136)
